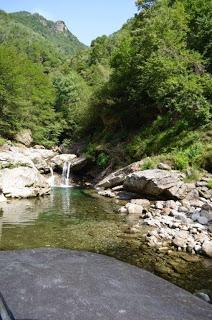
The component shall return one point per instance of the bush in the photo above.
(102, 160)
(209, 185)
(148, 164)
(181, 161)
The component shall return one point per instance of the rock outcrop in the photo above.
(157, 183)
(23, 182)
(118, 177)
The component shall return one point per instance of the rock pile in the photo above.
(179, 214)
(184, 225)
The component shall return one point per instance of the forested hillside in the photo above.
(144, 91)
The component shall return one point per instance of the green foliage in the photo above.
(65, 42)
(148, 164)
(72, 96)
(193, 174)
(181, 161)
(102, 160)
(209, 184)
(26, 98)
(2, 141)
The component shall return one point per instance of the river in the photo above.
(74, 218)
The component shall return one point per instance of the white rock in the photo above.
(203, 220)
(207, 248)
(134, 208)
(159, 204)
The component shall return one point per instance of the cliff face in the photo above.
(60, 26)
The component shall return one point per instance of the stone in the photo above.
(166, 211)
(59, 160)
(193, 194)
(195, 216)
(196, 203)
(107, 193)
(12, 159)
(202, 220)
(159, 204)
(156, 182)
(134, 208)
(78, 164)
(203, 296)
(171, 204)
(24, 137)
(118, 177)
(141, 202)
(2, 198)
(23, 182)
(164, 166)
(123, 210)
(182, 209)
(186, 203)
(207, 248)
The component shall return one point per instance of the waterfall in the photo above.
(51, 178)
(66, 174)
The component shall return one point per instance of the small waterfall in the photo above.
(65, 180)
(51, 178)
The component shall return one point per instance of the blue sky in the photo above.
(87, 19)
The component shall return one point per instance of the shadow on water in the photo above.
(72, 218)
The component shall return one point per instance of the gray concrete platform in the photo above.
(62, 284)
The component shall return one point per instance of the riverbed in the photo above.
(75, 218)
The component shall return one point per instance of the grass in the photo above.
(209, 185)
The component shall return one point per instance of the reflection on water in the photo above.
(72, 218)
(64, 208)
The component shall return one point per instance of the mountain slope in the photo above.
(55, 32)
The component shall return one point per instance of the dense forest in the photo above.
(143, 92)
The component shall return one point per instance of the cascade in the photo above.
(65, 180)
(51, 178)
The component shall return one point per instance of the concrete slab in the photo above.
(62, 284)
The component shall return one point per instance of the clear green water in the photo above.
(77, 219)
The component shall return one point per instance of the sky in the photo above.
(87, 19)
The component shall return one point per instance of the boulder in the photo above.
(118, 177)
(23, 182)
(164, 166)
(145, 203)
(134, 208)
(2, 198)
(24, 137)
(78, 163)
(59, 160)
(207, 248)
(10, 159)
(157, 183)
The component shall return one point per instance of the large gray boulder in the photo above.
(23, 182)
(78, 164)
(118, 177)
(63, 284)
(59, 160)
(156, 183)
(9, 159)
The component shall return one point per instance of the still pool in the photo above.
(78, 219)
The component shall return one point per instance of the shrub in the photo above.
(102, 160)
(209, 185)
(148, 164)
(181, 161)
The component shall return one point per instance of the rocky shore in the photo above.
(179, 214)
(25, 171)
